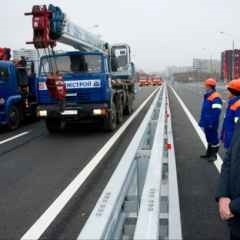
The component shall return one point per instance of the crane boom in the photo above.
(51, 25)
(80, 39)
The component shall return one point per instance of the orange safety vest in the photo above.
(234, 107)
(213, 96)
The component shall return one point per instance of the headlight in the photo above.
(100, 111)
(42, 113)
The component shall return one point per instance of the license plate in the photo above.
(76, 84)
(70, 112)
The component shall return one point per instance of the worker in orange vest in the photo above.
(232, 113)
(209, 120)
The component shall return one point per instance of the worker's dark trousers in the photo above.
(212, 136)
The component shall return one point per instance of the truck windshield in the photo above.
(4, 74)
(72, 64)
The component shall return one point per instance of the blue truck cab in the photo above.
(17, 95)
(93, 94)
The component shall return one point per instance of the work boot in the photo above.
(207, 154)
(213, 153)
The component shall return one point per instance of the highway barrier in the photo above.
(141, 199)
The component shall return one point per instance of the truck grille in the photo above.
(84, 97)
(81, 97)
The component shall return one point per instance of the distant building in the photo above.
(194, 76)
(206, 65)
(175, 69)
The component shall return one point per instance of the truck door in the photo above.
(22, 81)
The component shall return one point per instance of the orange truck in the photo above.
(149, 82)
(143, 82)
(156, 82)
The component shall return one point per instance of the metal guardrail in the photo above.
(174, 220)
(147, 226)
(141, 199)
(159, 216)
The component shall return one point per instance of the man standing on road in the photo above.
(209, 120)
(232, 112)
(228, 193)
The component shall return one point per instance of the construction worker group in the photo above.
(228, 190)
(210, 116)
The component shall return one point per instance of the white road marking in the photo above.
(43, 222)
(218, 162)
(14, 137)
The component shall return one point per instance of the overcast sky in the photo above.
(160, 32)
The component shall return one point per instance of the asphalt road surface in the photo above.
(35, 167)
(197, 178)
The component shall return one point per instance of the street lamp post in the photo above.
(93, 28)
(233, 58)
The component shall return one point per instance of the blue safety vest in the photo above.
(211, 110)
(231, 118)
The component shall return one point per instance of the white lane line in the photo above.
(43, 222)
(14, 137)
(218, 162)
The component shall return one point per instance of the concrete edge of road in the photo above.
(218, 162)
(44, 221)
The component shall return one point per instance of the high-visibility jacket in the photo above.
(231, 118)
(211, 110)
(229, 181)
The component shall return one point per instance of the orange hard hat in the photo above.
(210, 82)
(234, 85)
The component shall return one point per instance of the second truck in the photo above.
(17, 90)
(95, 83)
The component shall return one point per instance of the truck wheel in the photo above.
(110, 122)
(14, 118)
(120, 113)
(54, 125)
